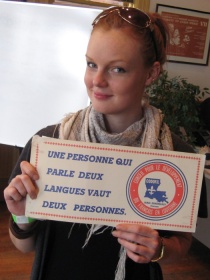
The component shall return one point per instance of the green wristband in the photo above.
(22, 219)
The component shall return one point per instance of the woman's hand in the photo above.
(19, 187)
(142, 243)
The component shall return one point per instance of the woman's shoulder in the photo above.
(180, 145)
(49, 131)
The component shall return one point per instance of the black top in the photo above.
(59, 247)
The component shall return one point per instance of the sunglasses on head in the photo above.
(133, 16)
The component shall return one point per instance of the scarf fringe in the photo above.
(92, 231)
(120, 271)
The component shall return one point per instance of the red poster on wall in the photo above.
(189, 34)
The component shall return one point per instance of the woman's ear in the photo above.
(153, 73)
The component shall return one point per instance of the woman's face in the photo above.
(115, 75)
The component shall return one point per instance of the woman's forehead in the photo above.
(124, 35)
(113, 44)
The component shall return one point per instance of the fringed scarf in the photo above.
(88, 125)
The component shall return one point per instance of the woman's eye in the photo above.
(118, 70)
(91, 64)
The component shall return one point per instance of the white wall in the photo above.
(196, 74)
(42, 65)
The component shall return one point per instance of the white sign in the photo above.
(109, 184)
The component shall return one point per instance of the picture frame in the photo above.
(189, 34)
(100, 4)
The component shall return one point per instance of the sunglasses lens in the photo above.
(135, 17)
(104, 14)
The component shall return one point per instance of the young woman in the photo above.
(125, 53)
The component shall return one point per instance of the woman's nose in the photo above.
(99, 79)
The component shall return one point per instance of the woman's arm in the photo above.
(176, 246)
(23, 182)
(25, 245)
(22, 235)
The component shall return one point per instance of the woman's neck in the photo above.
(118, 124)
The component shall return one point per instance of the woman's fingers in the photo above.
(23, 184)
(30, 170)
(141, 243)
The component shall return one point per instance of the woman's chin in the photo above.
(103, 109)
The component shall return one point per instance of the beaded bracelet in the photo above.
(22, 234)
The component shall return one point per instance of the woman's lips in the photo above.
(101, 96)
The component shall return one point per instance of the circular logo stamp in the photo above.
(156, 189)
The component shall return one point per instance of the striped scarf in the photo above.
(88, 125)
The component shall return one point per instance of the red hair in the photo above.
(153, 43)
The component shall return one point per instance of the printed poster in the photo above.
(188, 34)
(109, 184)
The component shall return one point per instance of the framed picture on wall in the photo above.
(189, 32)
(89, 3)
